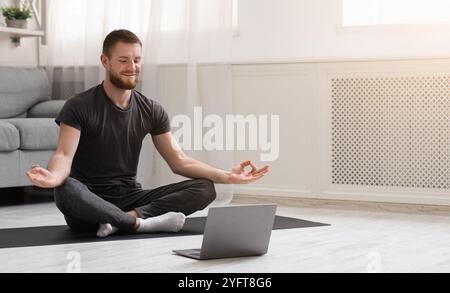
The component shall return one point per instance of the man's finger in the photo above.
(245, 164)
(35, 181)
(35, 178)
(39, 182)
(254, 168)
(261, 172)
(41, 170)
(37, 168)
(264, 170)
(33, 171)
(249, 163)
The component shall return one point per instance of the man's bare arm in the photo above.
(182, 164)
(60, 164)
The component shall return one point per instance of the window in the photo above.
(387, 12)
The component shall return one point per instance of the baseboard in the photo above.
(343, 204)
(352, 200)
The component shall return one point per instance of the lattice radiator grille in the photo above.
(391, 131)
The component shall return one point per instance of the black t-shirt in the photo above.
(111, 138)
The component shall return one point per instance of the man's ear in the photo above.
(105, 60)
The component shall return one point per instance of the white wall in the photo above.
(23, 56)
(304, 29)
(293, 30)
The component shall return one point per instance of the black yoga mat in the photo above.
(55, 235)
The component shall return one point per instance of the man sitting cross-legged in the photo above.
(93, 171)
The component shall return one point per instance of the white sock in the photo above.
(105, 230)
(170, 222)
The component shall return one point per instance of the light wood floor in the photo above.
(356, 241)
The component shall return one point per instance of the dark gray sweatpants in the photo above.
(84, 210)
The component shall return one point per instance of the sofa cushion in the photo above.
(36, 133)
(22, 88)
(9, 137)
(49, 109)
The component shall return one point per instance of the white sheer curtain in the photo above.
(75, 32)
(193, 34)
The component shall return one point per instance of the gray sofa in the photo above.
(28, 133)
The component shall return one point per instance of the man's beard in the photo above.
(122, 84)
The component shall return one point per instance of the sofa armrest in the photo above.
(48, 109)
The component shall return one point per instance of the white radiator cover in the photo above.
(391, 131)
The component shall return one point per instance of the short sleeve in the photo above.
(71, 114)
(160, 120)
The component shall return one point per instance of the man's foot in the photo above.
(105, 230)
(170, 222)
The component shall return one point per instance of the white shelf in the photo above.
(19, 32)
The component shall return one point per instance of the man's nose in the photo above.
(131, 66)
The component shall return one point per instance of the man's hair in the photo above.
(116, 36)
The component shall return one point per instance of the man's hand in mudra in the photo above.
(241, 176)
(41, 177)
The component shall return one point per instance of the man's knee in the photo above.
(62, 193)
(208, 191)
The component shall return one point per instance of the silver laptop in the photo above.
(235, 231)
